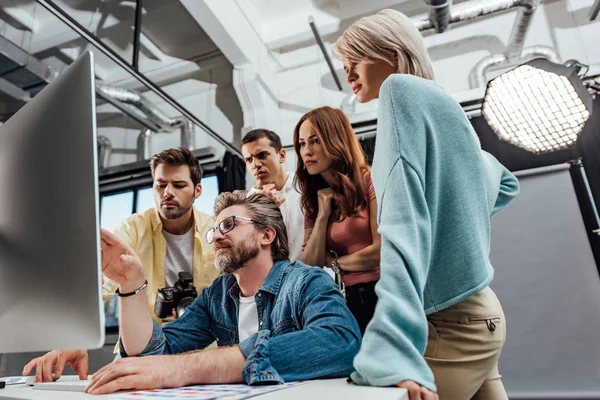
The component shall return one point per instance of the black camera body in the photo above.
(177, 297)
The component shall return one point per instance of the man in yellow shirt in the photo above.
(169, 239)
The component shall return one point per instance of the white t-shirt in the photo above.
(180, 255)
(247, 318)
(291, 209)
(293, 217)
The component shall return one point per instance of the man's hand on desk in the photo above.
(223, 365)
(120, 263)
(141, 373)
(418, 392)
(56, 360)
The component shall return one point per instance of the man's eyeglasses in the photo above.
(226, 225)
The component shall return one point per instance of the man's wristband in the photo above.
(134, 292)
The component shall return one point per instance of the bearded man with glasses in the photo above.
(274, 321)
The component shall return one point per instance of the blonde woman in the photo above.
(437, 325)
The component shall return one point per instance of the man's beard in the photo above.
(174, 213)
(233, 258)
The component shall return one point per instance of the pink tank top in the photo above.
(351, 235)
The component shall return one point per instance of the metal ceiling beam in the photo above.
(315, 32)
(137, 30)
(110, 53)
(594, 9)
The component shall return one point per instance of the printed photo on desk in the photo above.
(206, 392)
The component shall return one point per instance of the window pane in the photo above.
(210, 191)
(144, 200)
(115, 208)
(111, 312)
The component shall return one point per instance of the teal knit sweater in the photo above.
(436, 191)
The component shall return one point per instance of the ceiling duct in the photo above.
(143, 104)
(24, 76)
(21, 69)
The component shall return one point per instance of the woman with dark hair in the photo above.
(340, 210)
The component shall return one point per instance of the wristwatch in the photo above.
(335, 267)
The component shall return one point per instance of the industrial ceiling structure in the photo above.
(213, 69)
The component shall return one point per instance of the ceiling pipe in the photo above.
(477, 75)
(143, 144)
(188, 138)
(188, 134)
(520, 27)
(514, 52)
(471, 10)
(104, 151)
(439, 14)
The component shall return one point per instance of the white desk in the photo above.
(330, 389)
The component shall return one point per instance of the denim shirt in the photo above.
(305, 328)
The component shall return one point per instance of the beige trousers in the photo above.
(463, 348)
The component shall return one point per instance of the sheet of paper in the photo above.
(204, 392)
(13, 380)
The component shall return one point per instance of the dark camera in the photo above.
(177, 297)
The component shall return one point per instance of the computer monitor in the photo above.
(50, 259)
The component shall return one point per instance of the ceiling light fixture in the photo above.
(539, 106)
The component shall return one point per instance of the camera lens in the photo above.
(183, 303)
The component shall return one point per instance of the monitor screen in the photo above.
(50, 266)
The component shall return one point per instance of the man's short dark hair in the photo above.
(177, 157)
(257, 134)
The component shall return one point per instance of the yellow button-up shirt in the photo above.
(143, 232)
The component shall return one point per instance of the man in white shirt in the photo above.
(265, 157)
